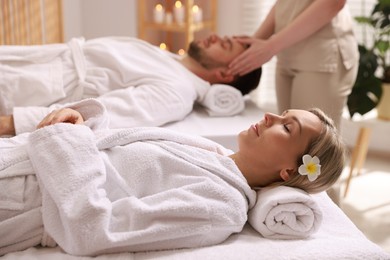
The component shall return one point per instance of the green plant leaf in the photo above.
(382, 46)
(364, 20)
(368, 63)
(365, 96)
(386, 75)
(367, 89)
(381, 13)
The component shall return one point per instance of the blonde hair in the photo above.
(331, 151)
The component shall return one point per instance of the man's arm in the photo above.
(153, 104)
(7, 125)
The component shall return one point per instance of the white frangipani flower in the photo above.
(310, 167)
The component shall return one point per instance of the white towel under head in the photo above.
(285, 213)
(223, 100)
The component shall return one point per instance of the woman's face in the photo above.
(276, 142)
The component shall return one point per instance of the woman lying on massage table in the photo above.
(92, 190)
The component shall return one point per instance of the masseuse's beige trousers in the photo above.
(299, 89)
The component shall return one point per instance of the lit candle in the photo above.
(159, 13)
(197, 14)
(168, 18)
(179, 12)
(163, 46)
(181, 52)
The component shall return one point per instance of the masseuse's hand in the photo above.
(64, 115)
(258, 53)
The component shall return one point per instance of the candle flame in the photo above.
(159, 7)
(178, 4)
(163, 46)
(181, 52)
(195, 9)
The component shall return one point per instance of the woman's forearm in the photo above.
(267, 28)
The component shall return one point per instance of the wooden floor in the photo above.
(367, 203)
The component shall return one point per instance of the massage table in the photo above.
(336, 238)
(223, 130)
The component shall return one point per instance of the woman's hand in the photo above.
(64, 115)
(254, 57)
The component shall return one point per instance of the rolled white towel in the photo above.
(285, 213)
(223, 100)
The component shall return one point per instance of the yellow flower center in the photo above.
(311, 168)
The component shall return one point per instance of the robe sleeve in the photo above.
(153, 104)
(80, 217)
(94, 113)
(144, 105)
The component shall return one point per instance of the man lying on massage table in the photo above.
(94, 190)
(140, 84)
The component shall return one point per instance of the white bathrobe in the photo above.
(140, 84)
(119, 190)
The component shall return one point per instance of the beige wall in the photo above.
(95, 18)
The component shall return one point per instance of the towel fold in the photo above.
(285, 213)
(223, 100)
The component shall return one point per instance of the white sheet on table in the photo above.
(223, 130)
(337, 238)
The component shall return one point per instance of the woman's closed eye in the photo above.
(287, 128)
